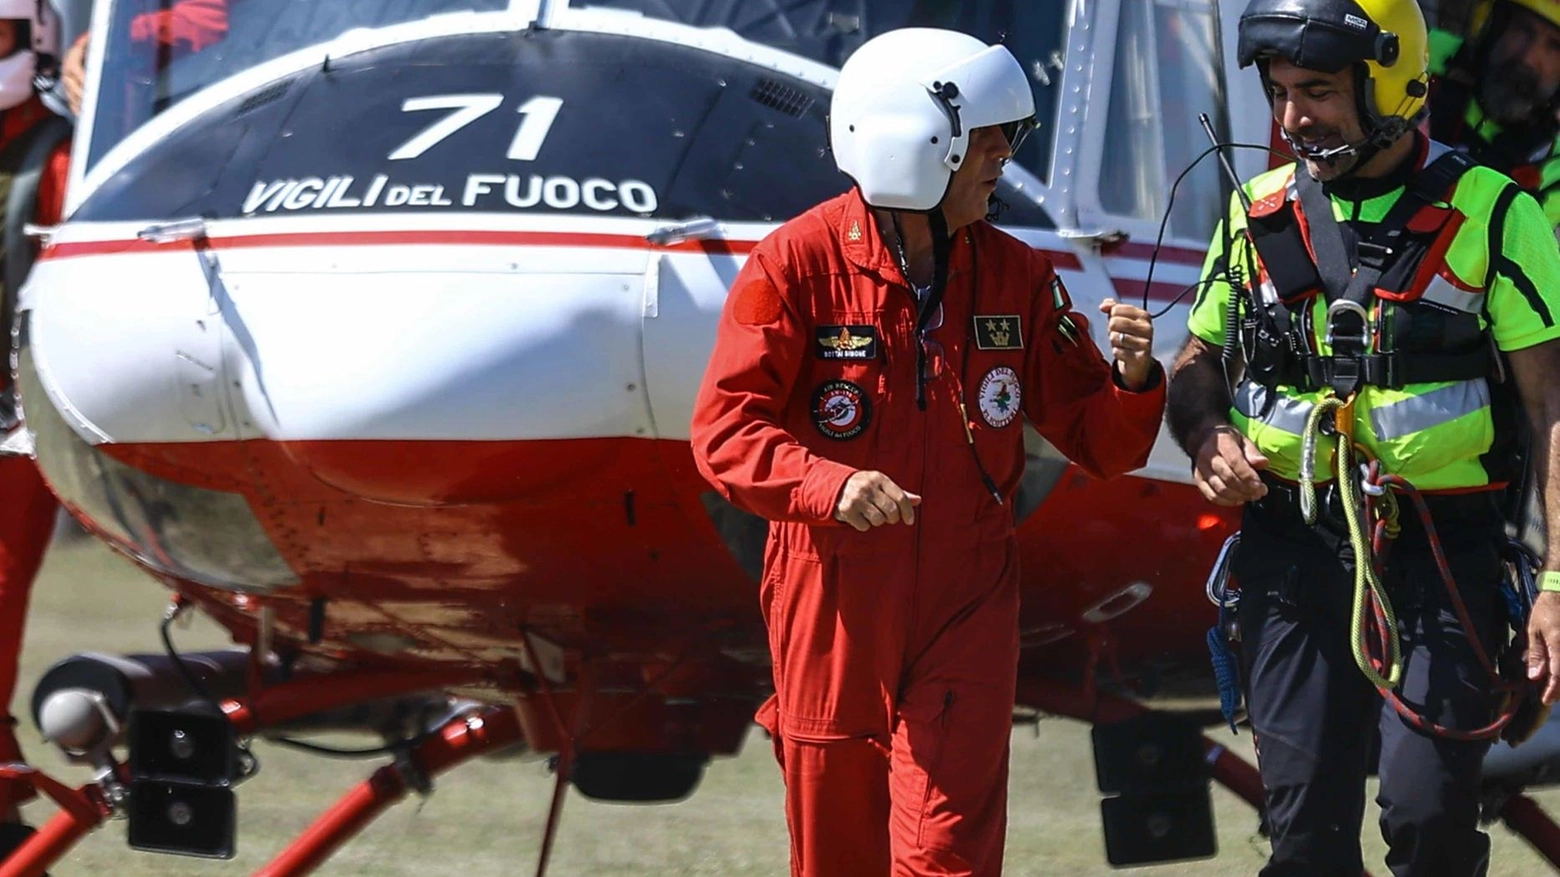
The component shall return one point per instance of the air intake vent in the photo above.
(776, 95)
(259, 99)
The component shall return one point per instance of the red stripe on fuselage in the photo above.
(1062, 259)
(394, 238)
(1167, 255)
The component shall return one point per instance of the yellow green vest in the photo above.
(1433, 434)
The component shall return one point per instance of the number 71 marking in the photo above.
(540, 112)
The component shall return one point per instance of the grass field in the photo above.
(486, 818)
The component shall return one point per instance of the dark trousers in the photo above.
(1315, 716)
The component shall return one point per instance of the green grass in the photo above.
(486, 817)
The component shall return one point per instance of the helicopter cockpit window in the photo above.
(827, 31)
(161, 51)
(1166, 72)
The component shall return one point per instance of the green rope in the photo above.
(1366, 582)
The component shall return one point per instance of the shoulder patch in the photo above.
(756, 302)
(1068, 330)
(1059, 298)
(1270, 204)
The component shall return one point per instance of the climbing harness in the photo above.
(1371, 510)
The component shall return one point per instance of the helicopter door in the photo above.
(1160, 63)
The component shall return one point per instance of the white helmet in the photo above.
(905, 104)
(18, 69)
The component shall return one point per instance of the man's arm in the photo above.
(1199, 398)
(738, 437)
(1537, 373)
(1522, 300)
(1104, 423)
(1224, 462)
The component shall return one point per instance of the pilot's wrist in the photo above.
(1549, 581)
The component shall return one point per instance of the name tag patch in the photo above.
(847, 342)
(999, 332)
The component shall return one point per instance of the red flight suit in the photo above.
(895, 651)
(190, 24)
(26, 506)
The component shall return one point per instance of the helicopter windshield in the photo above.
(161, 51)
(827, 31)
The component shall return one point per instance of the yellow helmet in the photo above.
(1548, 10)
(1387, 38)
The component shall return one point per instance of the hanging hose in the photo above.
(1367, 583)
(1372, 606)
(1510, 693)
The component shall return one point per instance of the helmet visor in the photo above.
(1015, 132)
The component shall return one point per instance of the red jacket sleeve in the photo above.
(193, 23)
(1080, 407)
(739, 441)
(51, 186)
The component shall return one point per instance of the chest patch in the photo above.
(847, 342)
(1001, 396)
(999, 332)
(841, 410)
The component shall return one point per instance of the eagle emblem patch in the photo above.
(847, 342)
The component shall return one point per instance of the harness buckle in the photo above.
(1364, 336)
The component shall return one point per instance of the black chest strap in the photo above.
(1349, 278)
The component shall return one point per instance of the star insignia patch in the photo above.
(999, 332)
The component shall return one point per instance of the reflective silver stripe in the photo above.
(1429, 410)
(1289, 414)
(1442, 292)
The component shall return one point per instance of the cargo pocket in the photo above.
(832, 641)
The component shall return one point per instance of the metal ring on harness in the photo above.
(1366, 336)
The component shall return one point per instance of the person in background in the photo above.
(1495, 93)
(34, 144)
(186, 26)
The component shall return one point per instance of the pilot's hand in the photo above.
(872, 499)
(1131, 334)
(1543, 654)
(73, 73)
(1226, 468)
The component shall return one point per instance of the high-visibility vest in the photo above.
(1455, 432)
